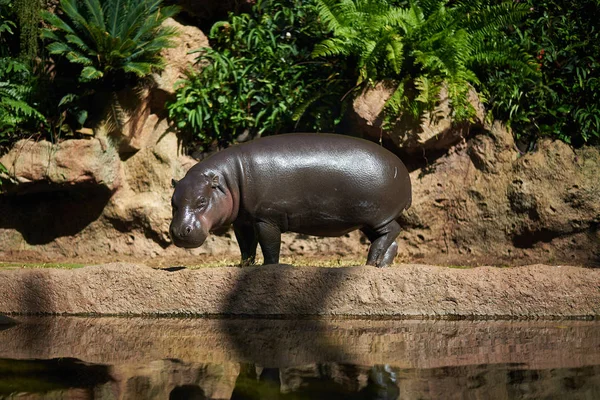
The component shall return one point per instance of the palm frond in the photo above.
(59, 48)
(139, 68)
(96, 13)
(113, 14)
(77, 41)
(56, 22)
(78, 58)
(90, 73)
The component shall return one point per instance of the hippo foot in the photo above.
(387, 258)
(246, 263)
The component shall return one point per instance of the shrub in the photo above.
(16, 111)
(565, 101)
(259, 78)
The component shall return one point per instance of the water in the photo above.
(173, 358)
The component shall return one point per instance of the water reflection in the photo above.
(145, 358)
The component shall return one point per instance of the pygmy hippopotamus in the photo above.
(310, 183)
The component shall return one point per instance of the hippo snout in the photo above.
(186, 236)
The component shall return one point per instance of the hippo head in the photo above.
(200, 204)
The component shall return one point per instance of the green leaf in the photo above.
(82, 117)
(59, 48)
(78, 58)
(90, 73)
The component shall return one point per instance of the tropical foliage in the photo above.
(110, 37)
(293, 64)
(422, 46)
(110, 45)
(17, 110)
(565, 101)
(259, 77)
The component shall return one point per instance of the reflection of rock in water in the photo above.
(500, 382)
(317, 381)
(67, 378)
(282, 343)
(383, 383)
(182, 358)
(6, 322)
(351, 382)
(187, 392)
(172, 379)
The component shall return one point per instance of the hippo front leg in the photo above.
(383, 244)
(247, 241)
(269, 237)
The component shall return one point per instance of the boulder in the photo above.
(178, 60)
(144, 200)
(71, 162)
(435, 131)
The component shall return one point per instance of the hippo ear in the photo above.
(174, 182)
(215, 181)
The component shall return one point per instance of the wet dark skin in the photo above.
(316, 184)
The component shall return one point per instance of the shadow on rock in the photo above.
(44, 213)
(6, 322)
(270, 347)
(276, 295)
(594, 233)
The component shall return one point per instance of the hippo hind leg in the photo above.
(248, 241)
(383, 244)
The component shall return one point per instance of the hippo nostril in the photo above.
(181, 233)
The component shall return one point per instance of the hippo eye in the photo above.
(202, 202)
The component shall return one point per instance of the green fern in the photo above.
(422, 47)
(15, 107)
(17, 111)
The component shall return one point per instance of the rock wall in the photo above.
(481, 201)
(485, 200)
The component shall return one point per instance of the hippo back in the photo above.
(321, 184)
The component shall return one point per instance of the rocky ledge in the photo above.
(408, 290)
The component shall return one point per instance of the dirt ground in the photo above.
(353, 258)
